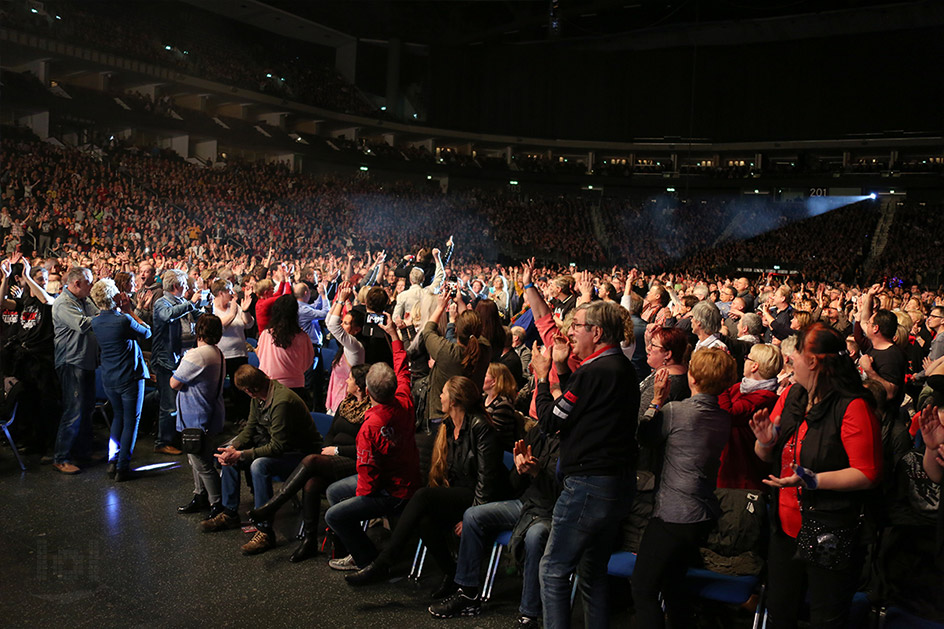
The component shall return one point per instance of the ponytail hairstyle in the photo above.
(466, 395)
(468, 329)
(837, 372)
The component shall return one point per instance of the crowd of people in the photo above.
(640, 409)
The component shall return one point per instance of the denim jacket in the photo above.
(166, 349)
(75, 341)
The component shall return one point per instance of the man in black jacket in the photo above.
(596, 416)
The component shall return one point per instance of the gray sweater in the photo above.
(694, 433)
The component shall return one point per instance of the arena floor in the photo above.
(83, 551)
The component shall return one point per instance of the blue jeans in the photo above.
(583, 533)
(126, 400)
(262, 471)
(78, 401)
(347, 511)
(482, 523)
(167, 415)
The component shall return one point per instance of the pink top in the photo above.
(288, 365)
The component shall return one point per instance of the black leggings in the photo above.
(665, 554)
(323, 469)
(789, 579)
(433, 512)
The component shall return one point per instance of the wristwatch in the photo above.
(542, 380)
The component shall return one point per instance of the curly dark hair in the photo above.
(283, 321)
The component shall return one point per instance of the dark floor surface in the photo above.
(84, 551)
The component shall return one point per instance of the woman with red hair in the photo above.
(825, 439)
(668, 348)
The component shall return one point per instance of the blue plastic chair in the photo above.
(897, 618)
(706, 584)
(322, 422)
(501, 541)
(5, 426)
(253, 359)
(253, 342)
(621, 564)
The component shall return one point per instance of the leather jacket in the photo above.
(475, 459)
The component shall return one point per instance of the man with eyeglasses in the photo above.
(935, 323)
(596, 416)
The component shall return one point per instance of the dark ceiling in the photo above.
(458, 22)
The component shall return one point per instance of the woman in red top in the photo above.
(824, 435)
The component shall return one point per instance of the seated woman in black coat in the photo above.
(316, 471)
(466, 470)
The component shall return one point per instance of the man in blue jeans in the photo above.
(345, 515)
(388, 463)
(529, 516)
(278, 435)
(178, 301)
(596, 416)
(76, 354)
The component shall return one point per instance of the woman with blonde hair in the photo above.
(466, 470)
(119, 332)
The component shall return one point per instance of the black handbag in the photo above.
(191, 440)
(826, 544)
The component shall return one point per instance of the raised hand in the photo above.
(764, 429)
(540, 364)
(527, 270)
(560, 352)
(444, 296)
(932, 427)
(585, 284)
(661, 388)
(389, 327)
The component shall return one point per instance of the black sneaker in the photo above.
(527, 621)
(459, 604)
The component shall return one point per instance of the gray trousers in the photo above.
(205, 477)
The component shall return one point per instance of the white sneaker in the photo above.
(345, 563)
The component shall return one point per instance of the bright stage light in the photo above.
(873, 196)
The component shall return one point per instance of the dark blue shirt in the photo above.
(118, 335)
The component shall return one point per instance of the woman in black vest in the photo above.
(825, 440)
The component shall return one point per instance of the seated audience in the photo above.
(278, 435)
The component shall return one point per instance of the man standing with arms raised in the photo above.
(596, 416)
